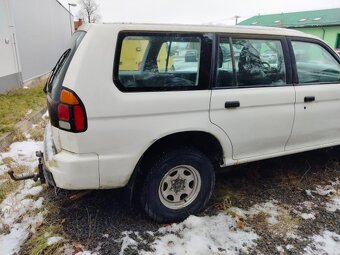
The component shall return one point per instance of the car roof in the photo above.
(201, 28)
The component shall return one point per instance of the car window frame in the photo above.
(231, 36)
(292, 56)
(203, 69)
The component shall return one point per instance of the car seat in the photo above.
(251, 70)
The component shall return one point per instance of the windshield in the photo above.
(54, 82)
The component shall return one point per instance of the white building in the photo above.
(33, 34)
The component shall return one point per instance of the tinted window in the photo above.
(315, 64)
(259, 62)
(159, 62)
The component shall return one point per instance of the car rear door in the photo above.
(253, 98)
(317, 108)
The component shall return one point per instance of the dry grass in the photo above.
(37, 132)
(224, 196)
(18, 136)
(37, 242)
(8, 185)
(286, 224)
(7, 161)
(15, 105)
(259, 221)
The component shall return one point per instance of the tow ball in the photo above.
(40, 175)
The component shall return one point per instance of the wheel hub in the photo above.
(178, 185)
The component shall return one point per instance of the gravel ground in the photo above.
(98, 219)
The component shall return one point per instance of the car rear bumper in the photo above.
(69, 170)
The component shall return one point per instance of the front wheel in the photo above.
(179, 184)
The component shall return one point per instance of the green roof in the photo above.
(326, 17)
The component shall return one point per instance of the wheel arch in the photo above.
(204, 141)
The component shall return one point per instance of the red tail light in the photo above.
(71, 115)
(79, 118)
(63, 112)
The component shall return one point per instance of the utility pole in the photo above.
(236, 17)
(69, 12)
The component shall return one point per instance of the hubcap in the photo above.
(179, 187)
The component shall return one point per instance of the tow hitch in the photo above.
(35, 177)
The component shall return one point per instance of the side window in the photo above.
(225, 77)
(159, 62)
(315, 64)
(259, 63)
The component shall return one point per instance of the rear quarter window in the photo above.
(158, 62)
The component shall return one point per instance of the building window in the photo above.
(337, 42)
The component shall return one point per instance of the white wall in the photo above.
(8, 65)
(42, 30)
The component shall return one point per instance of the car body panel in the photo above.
(122, 126)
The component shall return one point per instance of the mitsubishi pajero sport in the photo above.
(162, 125)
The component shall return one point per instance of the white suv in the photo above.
(128, 110)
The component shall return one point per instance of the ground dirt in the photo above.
(98, 219)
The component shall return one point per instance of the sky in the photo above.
(198, 11)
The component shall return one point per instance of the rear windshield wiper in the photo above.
(55, 69)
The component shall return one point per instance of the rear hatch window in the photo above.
(55, 81)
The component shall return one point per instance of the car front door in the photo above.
(317, 108)
(253, 98)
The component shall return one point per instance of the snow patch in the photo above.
(334, 204)
(280, 249)
(308, 205)
(325, 191)
(309, 192)
(200, 236)
(45, 116)
(292, 235)
(54, 239)
(307, 216)
(10, 243)
(15, 206)
(127, 242)
(23, 153)
(271, 210)
(326, 243)
(332, 192)
(289, 247)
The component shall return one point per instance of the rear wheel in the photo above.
(179, 184)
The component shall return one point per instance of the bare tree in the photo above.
(89, 11)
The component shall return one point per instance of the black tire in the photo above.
(151, 193)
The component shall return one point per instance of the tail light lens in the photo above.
(69, 111)
(79, 118)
